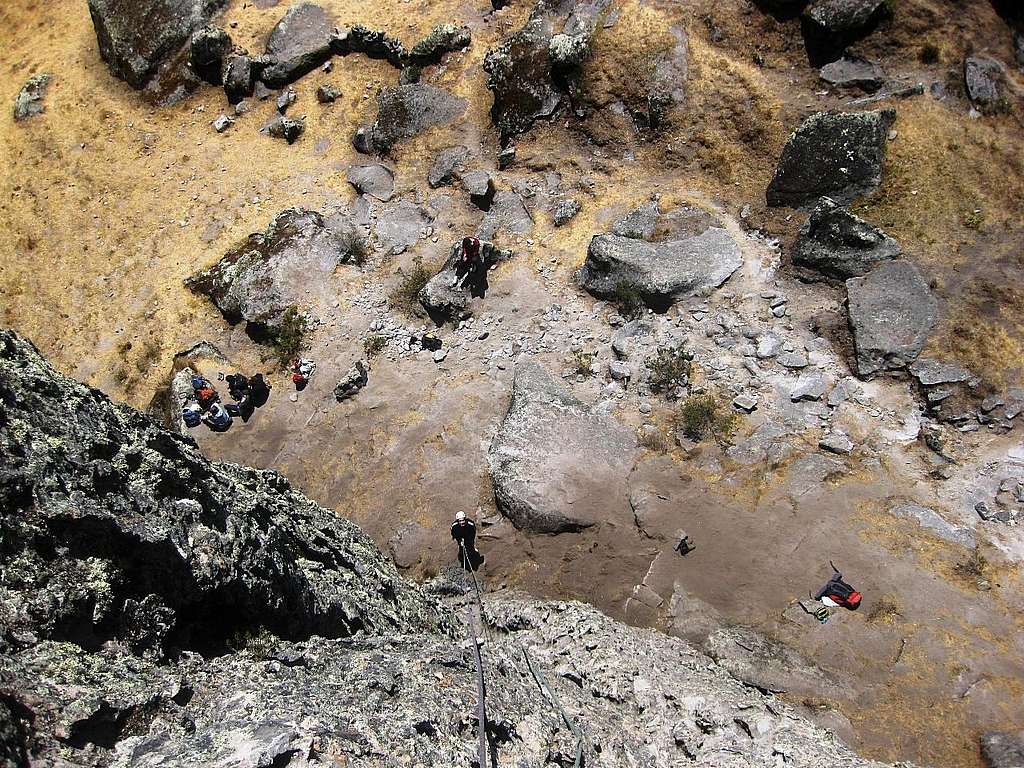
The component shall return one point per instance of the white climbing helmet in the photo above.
(460, 516)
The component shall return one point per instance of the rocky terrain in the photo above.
(750, 273)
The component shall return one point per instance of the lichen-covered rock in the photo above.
(854, 72)
(259, 279)
(446, 166)
(834, 154)
(299, 43)
(210, 46)
(661, 272)
(1003, 750)
(136, 36)
(892, 311)
(839, 245)
(984, 79)
(352, 382)
(29, 101)
(441, 298)
(239, 77)
(519, 75)
(408, 110)
(442, 39)
(372, 43)
(565, 211)
(287, 128)
(556, 464)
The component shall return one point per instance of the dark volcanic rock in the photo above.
(556, 464)
(519, 75)
(984, 80)
(372, 43)
(831, 25)
(442, 39)
(892, 311)
(446, 166)
(442, 300)
(375, 180)
(116, 529)
(1003, 750)
(210, 45)
(854, 72)
(660, 272)
(834, 154)
(287, 128)
(327, 94)
(29, 101)
(407, 110)
(239, 77)
(258, 280)
(840, 245)
(136, 36)
(299, 43)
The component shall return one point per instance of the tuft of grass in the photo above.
(929, 53)
(627, 300)
(257, 642)
(701, 416)
(884, 611)
(289, 336)
(653, 439)
(373, 345)
(973, 569)
(974, 219)
(355, 245)
(670, 368)
(406, 294)
(582, 361)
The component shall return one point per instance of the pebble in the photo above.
(645, 408)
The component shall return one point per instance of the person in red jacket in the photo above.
(837, 593)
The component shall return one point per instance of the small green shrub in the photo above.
(701, 416)
(373, 345)
(929, 53)
(974, 568)
(581, 362)
(627, 300)
(257, 642)
(288, 338)
(974, 219)
(355, 245)
(670, 368)
(406, 294)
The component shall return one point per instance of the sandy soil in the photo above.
(107, 203)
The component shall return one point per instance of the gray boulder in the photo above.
(210, 46)
(892, 311)
(565, 211)
(136, 36)
(299, 43)
(1003, 750)
(834, 154)
(29, 101)
(446, 165)
(519, 76)
(839, 245)
(934, 522)
(930, 372)
(507, 214)
(556, 464)
(660, 272)
(408, 110)
(441, 299)
(259, 279)
(984, 80)
(400, 225)
(854, 72)
(374, 179)
(352, 382)
(442, 39)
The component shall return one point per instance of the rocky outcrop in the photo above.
(442, 299)
(209, 48)
(832, 154)
(446, 165)
(442, 39)
(136, 36)
(660, 272)
(892, 311)
(854, 72)
(29, 101)
(1003, 750)
(519, 75)
(984, 81)
(556, 464)
(835, 243)
(259, 279)
(407, 110)
(507, 214)
(352, 382)
(832, 25)
(299, 43)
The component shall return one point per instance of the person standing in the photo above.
(464, 533)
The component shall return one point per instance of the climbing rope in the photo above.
(480, 688)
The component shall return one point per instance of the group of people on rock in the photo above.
(205, 406)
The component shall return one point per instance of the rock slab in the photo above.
(840, 245)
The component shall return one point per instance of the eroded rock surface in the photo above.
(556, 464)
(840, 245)
(407, 110)
(519, 75)
(834, 154)
(299, 43)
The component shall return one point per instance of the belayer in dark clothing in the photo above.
(238, 386)
(464, 533)
(837, 593)
(259, 391)
(470, 262)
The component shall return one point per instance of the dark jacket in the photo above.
(464, 532)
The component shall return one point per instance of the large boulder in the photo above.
(519, 75)
(508, 214)
(839, 245)
(208, 50)
(556, 464)
(984, 80)
(441, 298)
(259, 279)
(661, 272)
(1003, 750)
(136, 36)
(832, 25)
(118, 530)
(299, 43)
(407, 110)
(373, 179)
(892, 311)
(838, 154)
